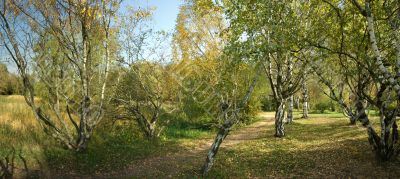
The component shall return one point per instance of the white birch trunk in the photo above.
(279, 117)
(305, 98)
(226, 127)
(290, 110)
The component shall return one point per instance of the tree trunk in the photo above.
(353, 120)
(228, 123)
(279, 117)
(150, 131)
(289, 76)
(384, 145)
(389, 136)
(290, 110)
(83, 142)
(305, 99)
(222, 133)
(373, 138)
(83, 133)
(148, 128)
(297, 103)
(359, 111)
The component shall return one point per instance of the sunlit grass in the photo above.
(16, 120)
(114, 145)
(19, 132)
(324, 145)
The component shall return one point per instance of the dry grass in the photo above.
(16, 119)
(19, 132)
(16, 114)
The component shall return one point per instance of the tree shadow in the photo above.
(333, 150)
(17, 160)
(347, 159)
(109, 152)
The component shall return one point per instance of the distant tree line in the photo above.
(9, 82)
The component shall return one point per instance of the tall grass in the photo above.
(17, 121)
(15, 113)
(114, 145)
(19, 132)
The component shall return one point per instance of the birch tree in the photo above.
(274, 28)
(223, 79)
(375, 57)
(230, 113)
(304, 94)
(386, 145)
(146, 88)
(69, 44)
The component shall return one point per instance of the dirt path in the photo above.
(189, 160)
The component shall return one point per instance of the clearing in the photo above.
(190, 159)
(322, 146)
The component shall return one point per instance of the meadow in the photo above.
(113, 146)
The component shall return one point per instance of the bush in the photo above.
(322, 106)
(268, 103)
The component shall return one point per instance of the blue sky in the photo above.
(165, 14)
(164, 18)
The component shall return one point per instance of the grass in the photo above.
(319, 147)
(19, 130)
(174, 132)
(322, 146)
(103, 156)
(112, 147)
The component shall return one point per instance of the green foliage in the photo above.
(112, 147)
(183, 127)
(192, 108)
(322, 106)
(9, 83)
(214, 75)
(174, 132)
(268, 103)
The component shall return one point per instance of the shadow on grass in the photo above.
(111, 149)
(106, 153)
(312, 147)
(331, 149)
(343, 160)
(19, 154)
(310, 132)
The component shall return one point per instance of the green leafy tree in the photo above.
(271, 31)
(363, 38)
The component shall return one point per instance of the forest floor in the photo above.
(322, 146)
(190, 159)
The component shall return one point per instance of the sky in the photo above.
(164, 19)
(165, 14)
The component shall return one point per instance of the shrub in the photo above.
(322, 106)
(268, 103)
